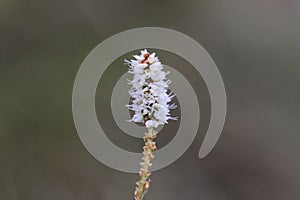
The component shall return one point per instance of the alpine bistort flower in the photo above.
(149, 90)
(150, 103)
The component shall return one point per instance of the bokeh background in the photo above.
(255, 44)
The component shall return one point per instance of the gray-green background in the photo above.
(256, 46)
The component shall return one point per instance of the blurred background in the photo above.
(255, 44)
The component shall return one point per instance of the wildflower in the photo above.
(149, 90)
(150, 103)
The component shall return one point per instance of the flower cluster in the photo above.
(150, 100)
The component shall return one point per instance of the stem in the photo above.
(143, 184)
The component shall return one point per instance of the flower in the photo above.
(150, 100)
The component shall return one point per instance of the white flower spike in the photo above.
(150, 100)
(150, 103)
